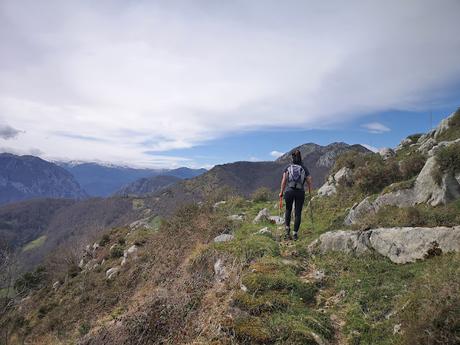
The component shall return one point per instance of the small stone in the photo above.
(264, 231)
(56, 285)
(220, 272)
(236, 217)
(112, 272)
(243, 288)
(263, 215)
(397, 329)
(224, 238)
(217, 204)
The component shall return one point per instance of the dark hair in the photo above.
(296, 157)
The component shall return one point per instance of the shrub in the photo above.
(351, 160)
(104, 240)
(414, 137)
(376, 174)
(116, 252)
(448, 158)
(31, 280)
(84, 328)
(412, 165)
(262, 194)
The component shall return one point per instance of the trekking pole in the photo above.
(311, 211)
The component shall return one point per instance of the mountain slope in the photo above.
(148, 185)
(27, 177)
(246, 177)
(102, 180)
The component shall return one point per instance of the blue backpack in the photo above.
(296, 176)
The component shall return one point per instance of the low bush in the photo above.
(448, 158)
(116, 252)
(262, 194)
(104, 240)
(31, 280)
(412, 165)
(376, 174)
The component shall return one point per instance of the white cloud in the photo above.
(376, 127)
(276, 154)
(370, 147)
(154, 76)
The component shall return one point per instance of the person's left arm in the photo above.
(308, 179)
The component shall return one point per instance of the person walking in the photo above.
(295, 177)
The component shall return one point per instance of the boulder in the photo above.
(442, 127)
(440, 145)
(263, 215)
(427, 190)
(131, 252)
(224, 238)
(404, 143)
(344, 175)
(360, 210)
(427, 145)
(400, 245)
(386, 153)
(112, 272)
(327, 189)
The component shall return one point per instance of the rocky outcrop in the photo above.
(344, 175)
(426, 190)
(400, 245)
(130, 253)
(387, 153)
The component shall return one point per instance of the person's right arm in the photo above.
(309, 184)
(283, 185)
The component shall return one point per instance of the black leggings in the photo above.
(297, 196)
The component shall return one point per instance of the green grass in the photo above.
(372, 288)
(399, 186)
(38, 242)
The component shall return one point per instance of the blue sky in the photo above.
(195, 83)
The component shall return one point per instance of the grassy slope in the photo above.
(359, 302)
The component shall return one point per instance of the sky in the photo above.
(198, 83)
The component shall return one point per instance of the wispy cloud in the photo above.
(370, 147)
(276, 154)
(156, 76)
(8, 132)
(376, 127)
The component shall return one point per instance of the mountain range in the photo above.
(104, 180)
(27, 177)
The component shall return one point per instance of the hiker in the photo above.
(294, 177)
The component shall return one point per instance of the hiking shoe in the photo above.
(287, 237)
(296, 237)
